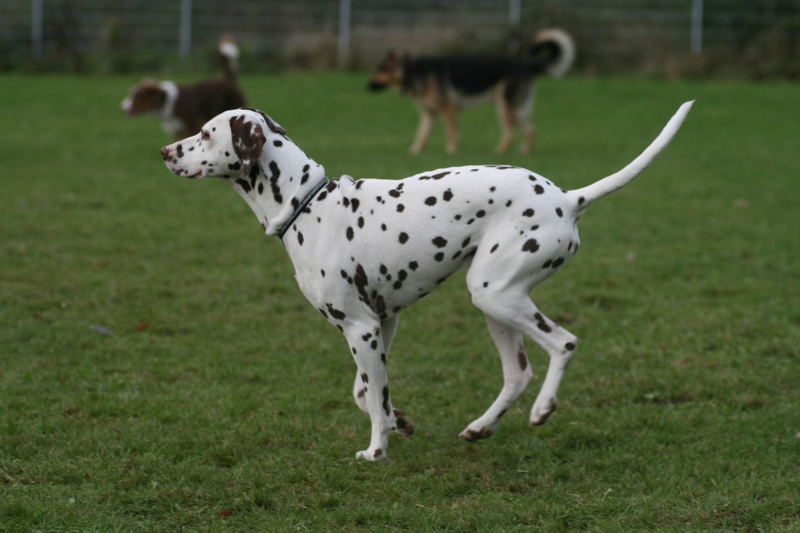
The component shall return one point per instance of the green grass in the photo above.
(231, 410)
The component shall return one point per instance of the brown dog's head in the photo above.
(149, 96)
(228, 146)
(389, 72)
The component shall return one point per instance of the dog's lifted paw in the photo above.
(540, 413)
(402, 424)
(371, 455)
(471, 435)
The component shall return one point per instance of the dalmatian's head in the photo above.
(227, 146)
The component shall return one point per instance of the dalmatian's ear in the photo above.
(248, 141)
(272, 125)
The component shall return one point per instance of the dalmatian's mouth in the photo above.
(185, 173)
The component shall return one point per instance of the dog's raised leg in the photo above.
(559, 345)
(512, 306)
(516, 376)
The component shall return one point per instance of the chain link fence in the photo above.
(752, 38)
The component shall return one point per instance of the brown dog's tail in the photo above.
(229, 55)
(553, 52)
(581, 198)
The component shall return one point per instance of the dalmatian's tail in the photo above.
(586, 195)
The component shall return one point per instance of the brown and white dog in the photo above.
(447, 84)
(183, 109)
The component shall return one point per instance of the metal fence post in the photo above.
(514, 12)
(37, 33)
(697, 26)
(344, 31)
(186, 28)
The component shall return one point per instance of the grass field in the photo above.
(222, 400)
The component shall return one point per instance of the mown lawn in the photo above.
(160, 371)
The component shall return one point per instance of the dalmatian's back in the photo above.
(396, 240)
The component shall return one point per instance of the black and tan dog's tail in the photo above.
(229, 56)
(581, 198)
(553, 52)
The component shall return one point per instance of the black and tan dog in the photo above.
(448, 84)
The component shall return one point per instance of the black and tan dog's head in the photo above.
(389, 72)
(227, 146)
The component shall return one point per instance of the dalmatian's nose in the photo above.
(165, 153)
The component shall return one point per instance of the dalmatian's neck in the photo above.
(278, 184)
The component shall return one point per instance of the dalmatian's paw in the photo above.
(471, 435)
(371, 455)
(542, 410)
(402, 425)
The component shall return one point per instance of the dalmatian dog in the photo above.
(363, 250)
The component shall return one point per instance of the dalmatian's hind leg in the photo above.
(559, 345)
(511, 306)
(516, 376)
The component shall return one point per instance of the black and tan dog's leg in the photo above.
(523, 118)
(528, 136)
(426, 119)
(451, 127)
(507, 120)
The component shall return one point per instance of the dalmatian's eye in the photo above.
(205, 135)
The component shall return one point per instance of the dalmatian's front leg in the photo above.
(366, 345)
